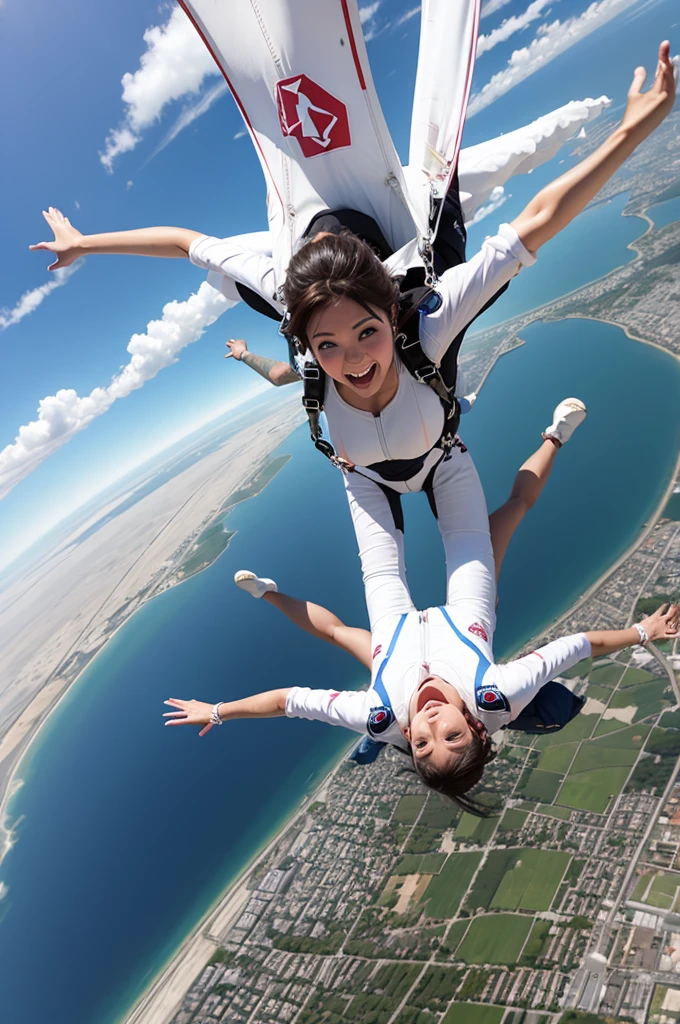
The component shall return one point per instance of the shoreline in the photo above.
(164, 994)
(35, 716)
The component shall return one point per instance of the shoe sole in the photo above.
(243, 575)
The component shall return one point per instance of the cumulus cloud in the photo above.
(496, 199)
(550, 41)
(511, 25)
(65, 414)
(174, 64)
(491, 6)
(32, 299)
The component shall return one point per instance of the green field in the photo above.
(439, 813)
(416, 864)
(635, 676)
(597, 692)
(670, 720)
(579, 728)
(445, 892)
(531, 881)
(495, 939)
(661, 893)
(608, 725)
(605, 674)
(647, 697)
(513, 820)
(539, 785)
(408, 809)
(592, 791)
(473, 1013)
(489, 878)
(631, 737)
(557, 758)
(555, 812)
(600, 755)
(536, 943)
(478, 830)
(454, 935)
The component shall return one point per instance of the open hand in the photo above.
(237, 347)
(66, 244)
(646, 110)
(189, 712)
(663, 624)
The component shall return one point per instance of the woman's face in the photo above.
(438, 731)
(353, 344)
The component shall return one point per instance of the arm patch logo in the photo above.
(490, 698)
(379, 720)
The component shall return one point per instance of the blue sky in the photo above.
(63, 64)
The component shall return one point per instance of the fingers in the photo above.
(639, 76)
(39, 245)
(229, 355)
(206, 729)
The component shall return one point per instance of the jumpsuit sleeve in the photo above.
(520, 680)
(343, 707)
(233, 260)
(466, 288)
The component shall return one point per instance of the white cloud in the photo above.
(550, 41)
(407, 15)
(491, 6)
(496, 199)
(366, 13)
(30, 300)
(76, 204)
(510, 26)
(174, 64)
(239, 135)
(189, 115)
(63, 415)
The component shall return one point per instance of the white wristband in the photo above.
(215, 714)
(644, 636)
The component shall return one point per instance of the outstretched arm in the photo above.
(274, 370)
(69, 243)
(270, 704)
(556, 205)
(521, 679)
(662, 625)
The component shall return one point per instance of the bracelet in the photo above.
(644, 636)
(215, 714)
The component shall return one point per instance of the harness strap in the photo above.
(408, 346)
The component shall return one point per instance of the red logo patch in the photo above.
(311, 115)
(377, 651)
(490, 697)
(478, 630)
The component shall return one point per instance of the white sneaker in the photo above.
(566, 418)
(256, 586)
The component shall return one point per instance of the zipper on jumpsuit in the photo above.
(424, 646)
(381, 436)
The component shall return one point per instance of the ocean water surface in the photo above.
(665, 213)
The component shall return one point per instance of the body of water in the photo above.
(665, 213)
(567, 261)
(127, 832)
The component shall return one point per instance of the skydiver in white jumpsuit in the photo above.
(435, 689)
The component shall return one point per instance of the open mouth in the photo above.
(364, 379)
(429, 696)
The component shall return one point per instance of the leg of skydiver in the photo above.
(313, 618)
(379, 527)
(532, 477)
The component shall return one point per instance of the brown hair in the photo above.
(337, 266)
(465, 773)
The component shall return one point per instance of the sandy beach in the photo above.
(56, 618)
